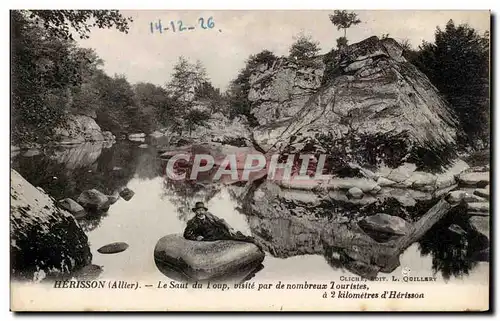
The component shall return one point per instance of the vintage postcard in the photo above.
(321, 160)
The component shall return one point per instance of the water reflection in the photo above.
(453, 253)
(289, 233)
(183, 194)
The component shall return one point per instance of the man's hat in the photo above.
(199, 205)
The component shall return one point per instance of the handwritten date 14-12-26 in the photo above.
(179, 26)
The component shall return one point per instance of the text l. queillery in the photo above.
(419, 279)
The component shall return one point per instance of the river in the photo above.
(157, 209)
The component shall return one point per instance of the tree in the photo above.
(58, 22)
(47, 68)
(458, 65)
(185, 79)
(304, 48)
(342, 42)
(155, 104)
(195, 118)
(210, 95)
(344, 20)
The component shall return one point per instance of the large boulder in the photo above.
(79, 129)
(199, 261)
(478, 179)
(127, 193)
(73, 207)
(385, 223)
(43, 236)
(483, 192)
(355, 192)
(113, 248)
(93, 200)
(375, 108)
(280, 89)
(220, 129)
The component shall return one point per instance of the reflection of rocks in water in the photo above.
(285, 237)
(291, 222)
(454, 254)
(87, 166)
(91, 221)
(82, 155)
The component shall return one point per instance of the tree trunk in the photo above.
(419, 228)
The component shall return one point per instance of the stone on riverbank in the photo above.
(483, 207)
(43, 236)
(112, 248)
(383, 182)
(385, 223)
(460, 195)
(112, 199)
(483, 192)
(80, 129)
(93, 200)
(355, 192)
(478, 179)
(127, 194)
(73, 207)
(481, 224)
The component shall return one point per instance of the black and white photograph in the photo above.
(250, 160)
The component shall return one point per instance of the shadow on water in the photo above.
(68, 171)
(288, 227)
(453, 244)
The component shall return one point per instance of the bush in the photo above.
(458, 65)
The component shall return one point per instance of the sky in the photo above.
(143, 56)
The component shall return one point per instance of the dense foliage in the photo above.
(457, 63)
(342, 19)
(52, 77)
(304, 48)
(240, 87)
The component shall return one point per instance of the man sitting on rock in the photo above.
(208, 227)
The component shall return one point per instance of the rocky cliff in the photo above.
(280, 91)
(80, 129)
(44, 238)
(372, 108)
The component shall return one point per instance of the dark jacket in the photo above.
(212, 228)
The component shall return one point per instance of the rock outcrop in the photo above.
(80, 129)
(43, 236)
(93, 200)
(374, 109)
(220, 129)
(280, 91)
(73, 207)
